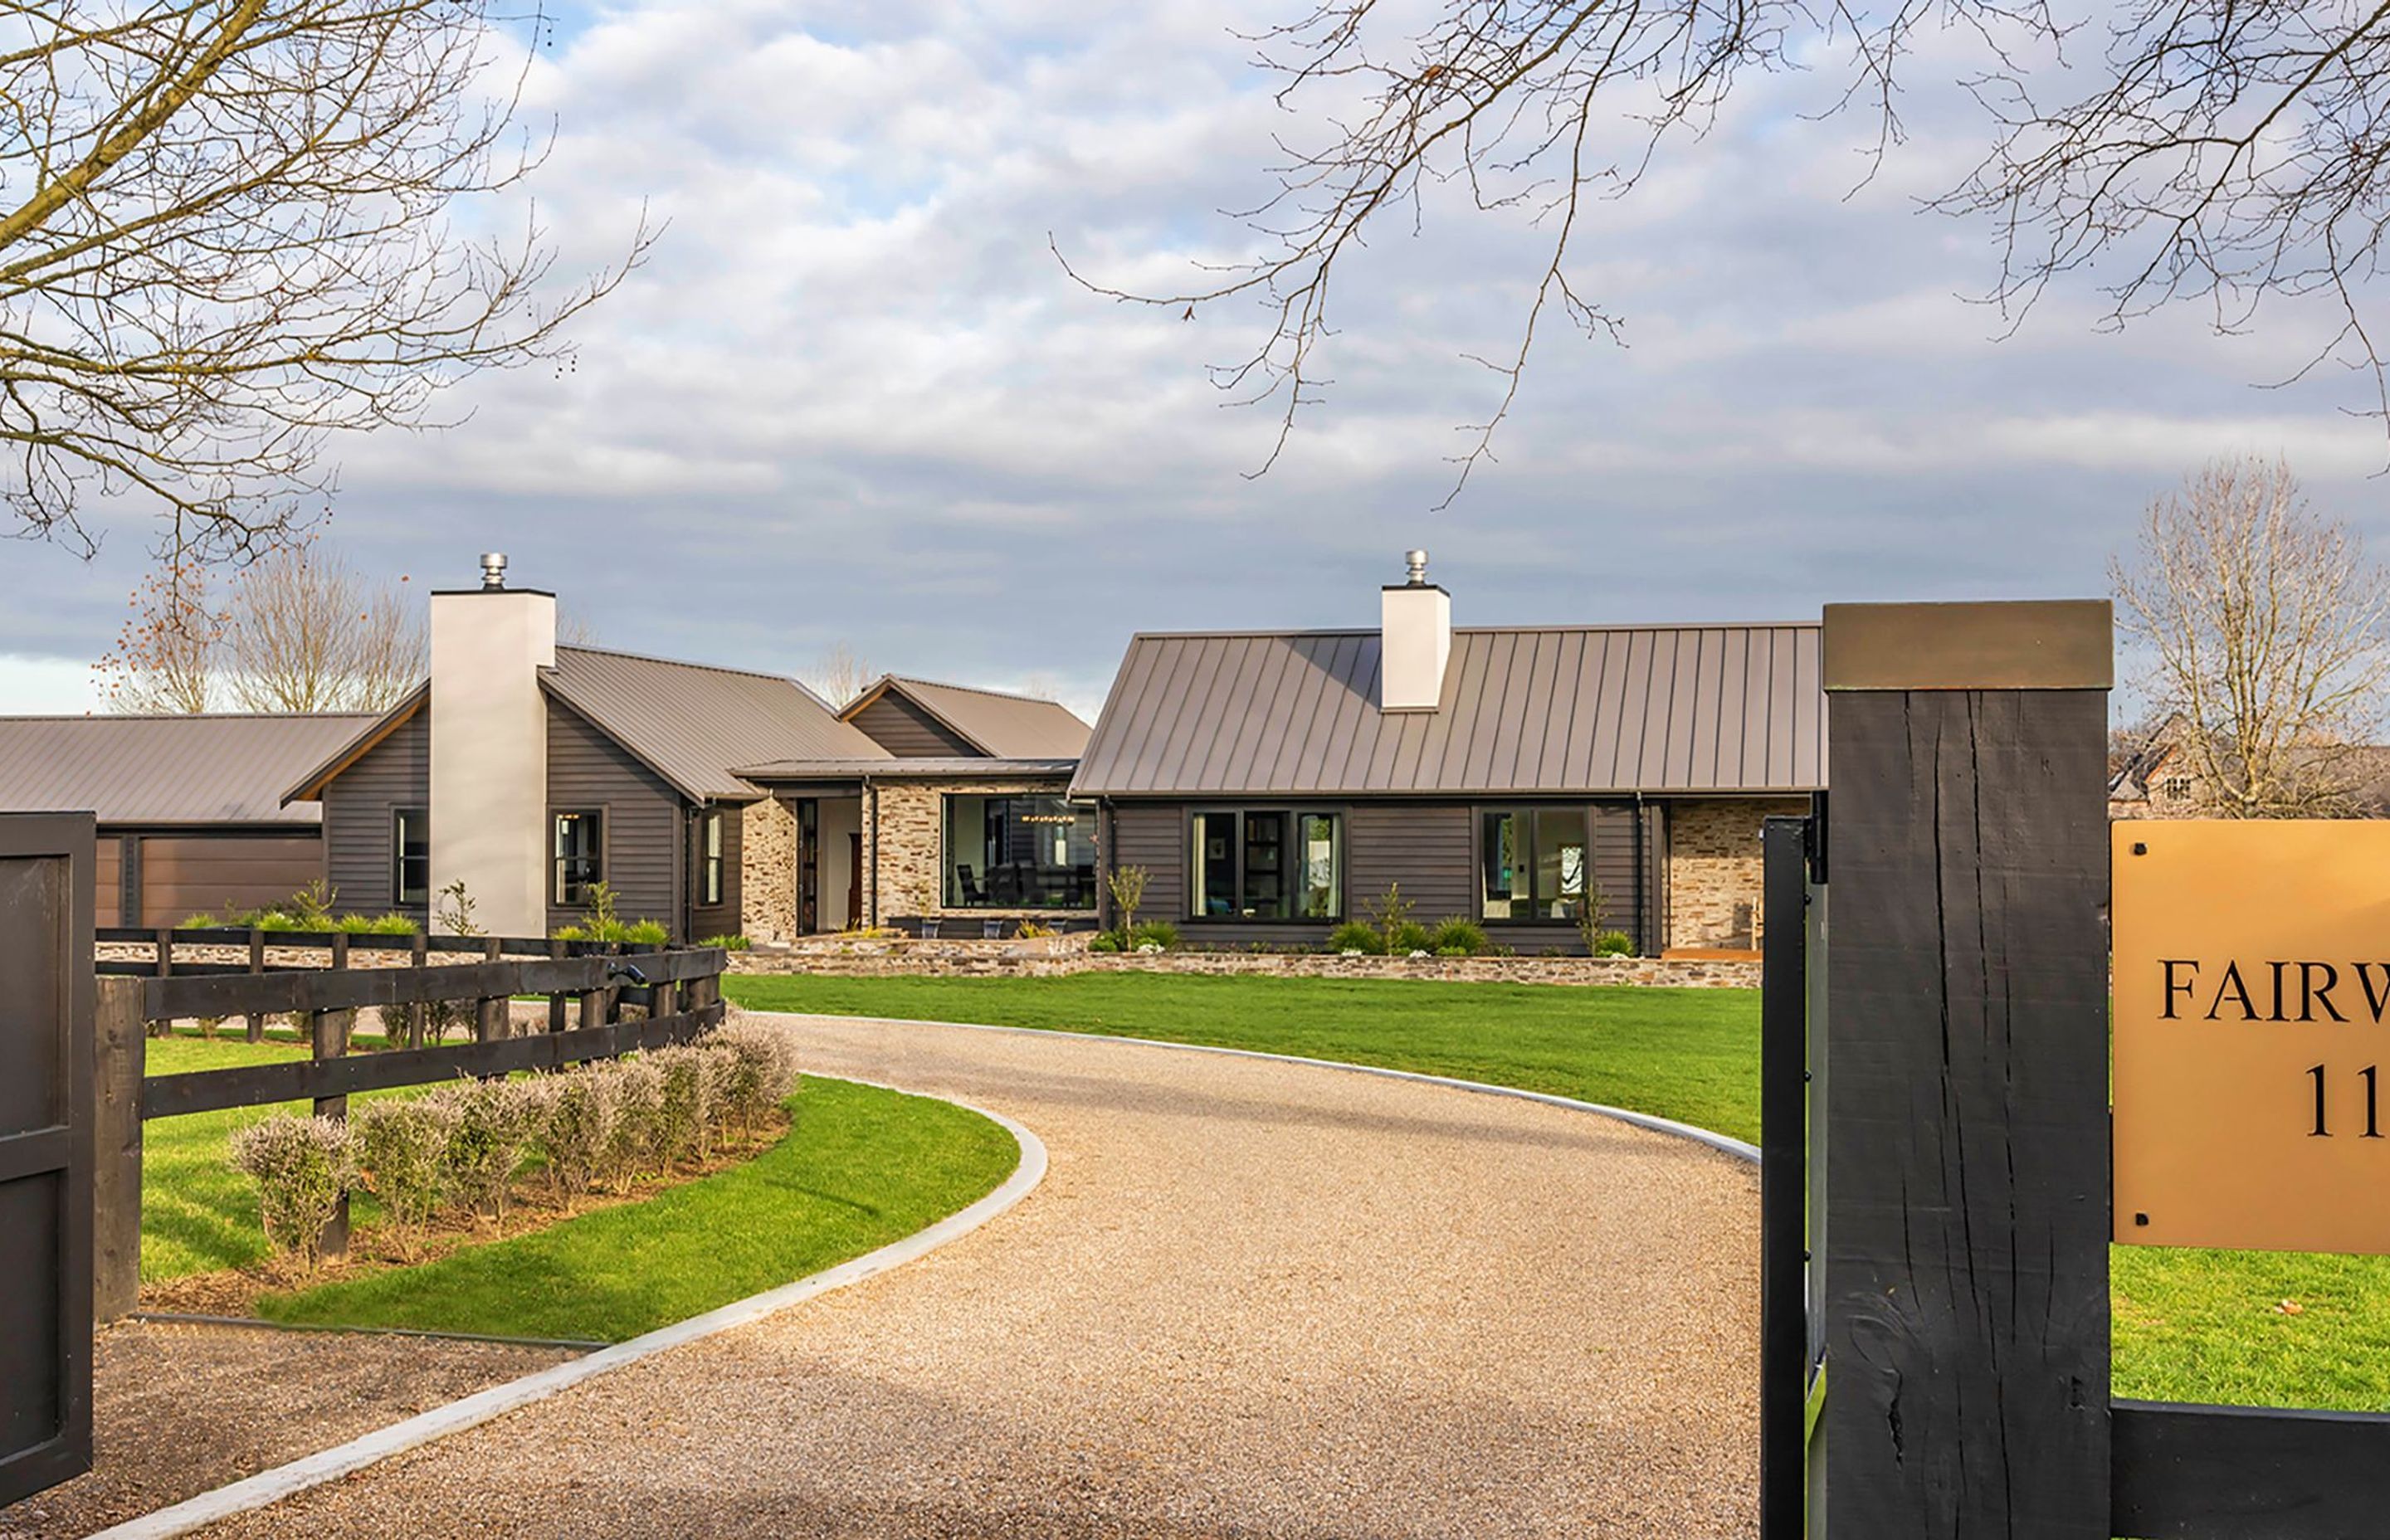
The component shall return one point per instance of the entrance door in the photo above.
(808, 867)
(854, 880)
(46, 1149)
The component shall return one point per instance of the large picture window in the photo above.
(1267, 863)
(1536, 863)
(580, 855)
(410, 856)
(1019, 853)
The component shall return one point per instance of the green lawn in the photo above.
(2190, 1326)
(1689, 1054)
(862, 1167)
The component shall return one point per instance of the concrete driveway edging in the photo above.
(271, 1486)
(1724, 1144)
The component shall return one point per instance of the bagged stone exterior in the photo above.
(767, 871)
(1714, 870)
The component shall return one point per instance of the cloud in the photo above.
(854, 397)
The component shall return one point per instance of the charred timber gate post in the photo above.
(1964, 1116)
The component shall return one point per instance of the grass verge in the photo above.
(2189, 1324)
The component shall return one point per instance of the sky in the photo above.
(854, 398)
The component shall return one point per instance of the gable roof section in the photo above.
(1563, 710)
(693, 724)
(168, 770)
(1000, 726)
(310, 787)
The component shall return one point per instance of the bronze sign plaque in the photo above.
(2253, 1035)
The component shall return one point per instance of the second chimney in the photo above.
(1415, 640)
(488, 748)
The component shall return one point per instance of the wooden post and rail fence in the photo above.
(678, 993)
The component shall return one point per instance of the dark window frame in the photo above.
(947, 903)
(1295, 812)
(1479, 812)
(398, 859)
(556, 882)
(711, 842)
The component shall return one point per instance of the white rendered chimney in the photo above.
(488, 748)
(1415, 640)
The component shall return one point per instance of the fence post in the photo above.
(164, 942)
(418, 956)
(256, 1019)
(490, 1015)
(120, 1040)
(1964, 1109)
(555, 948)
(328, 1030)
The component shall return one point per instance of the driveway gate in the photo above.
(1935, 1177)
(45, 1154)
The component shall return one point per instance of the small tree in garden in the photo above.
(300, 1166)
(1593, 916)
(1127, 887)
(1389, 913)
(402, 1153)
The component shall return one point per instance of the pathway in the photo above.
(1250, 1299)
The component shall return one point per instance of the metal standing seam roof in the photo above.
(1001, 725)
(692, 722)
(210, 769)
(1562, 710)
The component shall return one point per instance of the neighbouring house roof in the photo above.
(943, 768)
(1002, 726)
(1564, 710)
(691, 722)
(167, 770)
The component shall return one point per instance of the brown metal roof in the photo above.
(217, 769)
(690, 723)
(1006, 726)
(974, 767)
(1530, 710)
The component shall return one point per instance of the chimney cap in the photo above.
(1417, 561)
(493, 569)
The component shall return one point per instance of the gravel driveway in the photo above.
(1250, 1299)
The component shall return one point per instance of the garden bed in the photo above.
(1038, 959)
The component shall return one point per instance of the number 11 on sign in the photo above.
(2371, 1074)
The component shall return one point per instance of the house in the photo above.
(2159, 777)
(189, 812)
(1535, 779)
(715, 800)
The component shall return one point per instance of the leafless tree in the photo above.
(839, 675)
(2264, 626)
(298, 630)
(164, 661)
(225, 236)
(2216, 152)
(304, 632)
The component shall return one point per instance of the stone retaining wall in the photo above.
(881, 959)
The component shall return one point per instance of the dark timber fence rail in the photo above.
(678, 992)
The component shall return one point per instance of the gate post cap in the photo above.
(1973, 645)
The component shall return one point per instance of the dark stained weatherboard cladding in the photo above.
(1582, 711)
(359, 804)
(905, 729)
(641, 859)
(183, 875)
(723, 918)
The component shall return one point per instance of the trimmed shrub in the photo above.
(1354, 936)
(1408, 936)
(1154, 932)
(1104, 940)
(763, 1072)
(1456, 937)
(727, 943)
(638, 1089)
(583, 1107)
(1614, 944)
(300, 1166)
(495, 1124)
(402, 1154)
(691, 1102)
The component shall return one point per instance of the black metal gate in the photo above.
(46, 1149)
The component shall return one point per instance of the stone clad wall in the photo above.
(906, 876)
(767, 871)
(1714, 870)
